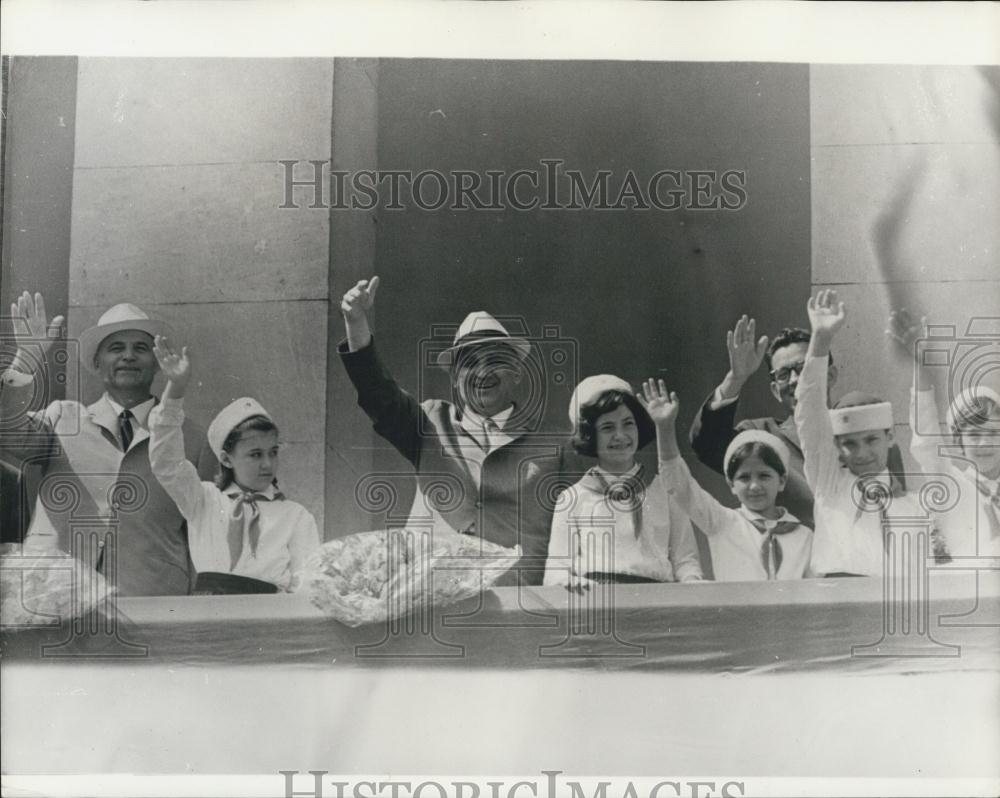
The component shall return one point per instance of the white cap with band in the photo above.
(769, 439)
(230, 417)
(858, 418)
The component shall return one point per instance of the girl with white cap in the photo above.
(245, 536)
(759, 541)
(614, 525)
(972, 527)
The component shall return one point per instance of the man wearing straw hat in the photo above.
(478, 470)
(96, 457)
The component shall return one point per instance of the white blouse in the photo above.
(288, 530)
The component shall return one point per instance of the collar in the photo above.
(613, 478)
(752, 515)
(234, 491)
(471, 420)
(140, 412)
(597, 479)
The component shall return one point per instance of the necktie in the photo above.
(245, 518)
(770, 551)
(490, 429)
(125, 428)
(630, 493)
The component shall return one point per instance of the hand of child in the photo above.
(359, 300)
(826, 313)
(906, 331)
(745, 356)
(175, 367)
(31, 324)
(661, 405)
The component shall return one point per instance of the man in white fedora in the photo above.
(478, 469)
(95, 457)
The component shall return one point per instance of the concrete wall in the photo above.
(905, 201)
(176, 208)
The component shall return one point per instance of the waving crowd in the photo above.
(817, 491)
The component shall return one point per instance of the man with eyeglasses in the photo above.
(715, 425)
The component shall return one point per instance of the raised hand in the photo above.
(745, 356)
(661, 404)
(175, 367)
(31, 324)
(905, 330)
(358, 301)
(826, 313)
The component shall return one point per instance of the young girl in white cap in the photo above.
(972, 527)
(614, 525)
(759, 541)
(245, 536)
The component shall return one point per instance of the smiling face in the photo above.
(757, 485)
(126, 362)
(786, 368)
(617, 439)
(253, 459)
(487, 377)
(866, 452)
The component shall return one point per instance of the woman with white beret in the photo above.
(616, 523)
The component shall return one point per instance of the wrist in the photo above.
(731, 386)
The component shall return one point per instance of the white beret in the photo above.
(757, 436)
(966, 399)
(858, 418)
(590, 389)
(230, 417)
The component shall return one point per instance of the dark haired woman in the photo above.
(614, 524)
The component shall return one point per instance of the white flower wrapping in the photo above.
(46, 588)
(377, 576)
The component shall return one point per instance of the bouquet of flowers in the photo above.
(386, 574)
(45, 588)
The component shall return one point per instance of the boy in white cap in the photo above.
(846, 455)
(972, 527)
(478, 448)
(760, 540)
(616, 524)
(90, 449)
(245, 536)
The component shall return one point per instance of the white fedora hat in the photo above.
(120, 317)
(480, 328)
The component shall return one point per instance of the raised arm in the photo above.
(172, 469)
(714, 426)
(674, 476)
(395, 414)
(906, 331)
(812, 417)
(34, 336)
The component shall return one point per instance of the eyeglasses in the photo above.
(783, 375)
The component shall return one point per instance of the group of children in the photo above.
(614, 524)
